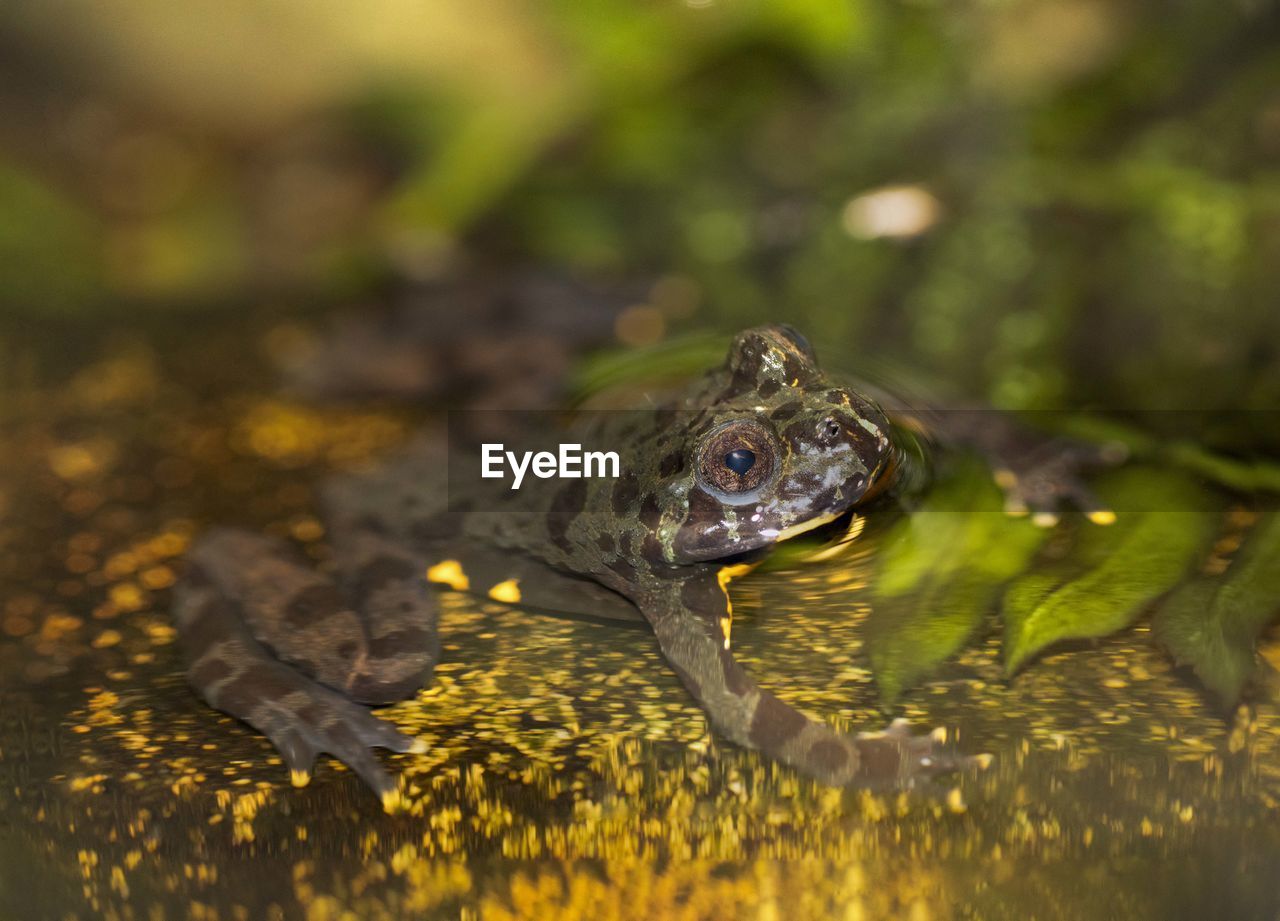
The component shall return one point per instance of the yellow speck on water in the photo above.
(507, 592)
(1005, 478)
(157, 577)
(394, 801)
(106, 639)
(449, 572)
(127, 597)
(306, 529)
(1102, 516)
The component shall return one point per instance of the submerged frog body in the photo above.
(757, 451)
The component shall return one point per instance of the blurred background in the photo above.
(1047, 203)
(1039, 204)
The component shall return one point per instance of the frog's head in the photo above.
(771, 448)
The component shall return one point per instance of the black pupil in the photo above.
(740, 461)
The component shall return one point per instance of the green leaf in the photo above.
(676, 359)
(50, 250)
(939, 571)
(1244, 475)
(1111, 573)
(1212, 622)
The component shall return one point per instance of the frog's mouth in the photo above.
(825, 536)
(797, 529)
(878, 482)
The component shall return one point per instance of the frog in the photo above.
(763, 448)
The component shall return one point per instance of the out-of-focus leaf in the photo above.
(1111, 572)
(1247, 476)
(660, 365)
(50, 251)
(939, 571)
(1212, 623)
(1242, 475)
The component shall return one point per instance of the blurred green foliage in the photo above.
(938, 572)
(1083, 199)
(1111, 573)
(1213, 622)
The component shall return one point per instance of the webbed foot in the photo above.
(898, 757)
(301, 717)
(1051, 477)
(311, 720)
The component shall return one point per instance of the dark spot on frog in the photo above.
(735, 679)
(704, 517)
(311, 604)
(606, 544)
(209, 671)
(703, 596)
(565, 507)
(774, 723)
(380, 572)
(625, 492)
(769, 388)
(670, 465)
(624, 570)
(650, 513)
(880, 758)
(829, 757)
(786, 411)
(390, 643)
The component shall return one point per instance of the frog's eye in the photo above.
(737, 458)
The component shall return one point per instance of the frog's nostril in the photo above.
(831, 428)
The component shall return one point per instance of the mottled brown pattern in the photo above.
(312, 604)
(625, 492)
(209, 671)
(735, 679)
(657, 536)
(566, 506)
(774, 723)
(828, 757)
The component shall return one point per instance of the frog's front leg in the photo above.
(1039, 474)
(690, 618)
(279, 645)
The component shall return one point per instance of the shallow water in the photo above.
(569, 773)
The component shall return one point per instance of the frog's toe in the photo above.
(898, 757)
(345, 730)
(1045, 494)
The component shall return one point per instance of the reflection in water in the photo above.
(567, 769)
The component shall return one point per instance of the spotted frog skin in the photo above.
(759, 450)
